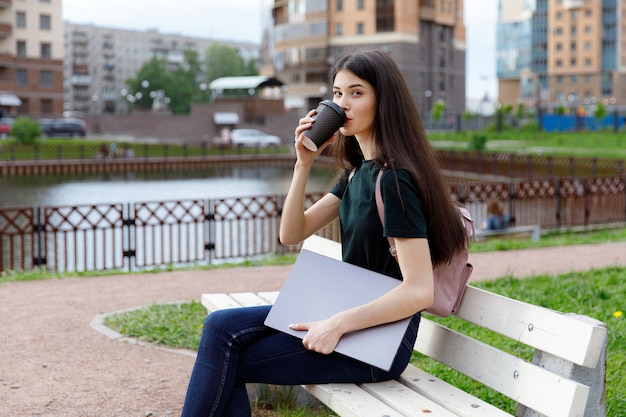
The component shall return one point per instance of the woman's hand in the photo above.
(303, 154)
(322, 336)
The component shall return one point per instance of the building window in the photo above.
(21, 49)
(572, 62)
(20, 19)
(559, 63)
(339, 5)
(45, 22)
(46, 50)
(587, 62)
(385, 16)
(360, 5)
(45, 78)
(359, 29)
(338, 29)
(46, 106)
(44, 1)
(559, 46)
(21, 77)
(559, 79)
(574, 79)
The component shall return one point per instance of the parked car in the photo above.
(253, 138)
(6, 123)
(69, 127)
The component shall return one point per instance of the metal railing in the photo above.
(162, 233)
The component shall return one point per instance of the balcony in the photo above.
(6, 29)
(79, 80)
(6, 60)
(573, 4)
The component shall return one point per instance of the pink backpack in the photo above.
(450, 278)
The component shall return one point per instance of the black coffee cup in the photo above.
(329, 118)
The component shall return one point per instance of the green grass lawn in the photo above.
(600, 144)
(603, 144)
(90, 149)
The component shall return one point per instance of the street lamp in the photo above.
(427, 95)
(203, 87)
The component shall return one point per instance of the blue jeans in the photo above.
(237, 348)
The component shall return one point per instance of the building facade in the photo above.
(99, 60)
(425, 38)
(31, 58)
(576, 57)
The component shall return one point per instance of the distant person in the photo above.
(226, 138)
(496, 218)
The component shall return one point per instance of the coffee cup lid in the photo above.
(335, 107)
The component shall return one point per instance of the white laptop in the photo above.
(319, 286)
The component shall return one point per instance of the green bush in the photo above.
(26, 130)
(529, 127)
(478, 141)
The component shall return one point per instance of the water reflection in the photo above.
(151, 186)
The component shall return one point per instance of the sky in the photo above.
(241, 20)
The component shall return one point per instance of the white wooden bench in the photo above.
(532, 231)
(565, 378)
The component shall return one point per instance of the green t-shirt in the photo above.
(364, 242)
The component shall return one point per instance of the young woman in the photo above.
(383, 129)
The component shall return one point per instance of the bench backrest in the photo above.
(566, 375)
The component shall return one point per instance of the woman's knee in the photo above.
(234, 320)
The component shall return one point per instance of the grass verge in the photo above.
(548, 239)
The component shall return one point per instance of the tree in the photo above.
(438, 111)
(224, 61)
(187, 83)
(153, 76)
(599, 113)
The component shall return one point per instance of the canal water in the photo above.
(131, 187)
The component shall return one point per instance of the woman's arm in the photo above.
(415, 293)
(297, 224)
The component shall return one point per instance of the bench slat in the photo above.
(517, 379)
(350, 400)
(216, 301)
(577, 340)
(248, 299)
(450, 397)
(532, 231)
(269, 296)
(323, 246)
(404, 400)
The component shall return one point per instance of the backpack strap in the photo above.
(380, 206)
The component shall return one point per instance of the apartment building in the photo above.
(31, 58)
(426, 38)
(99, 60)
(569, 53)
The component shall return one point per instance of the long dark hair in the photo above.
(401, 142)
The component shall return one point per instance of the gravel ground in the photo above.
(56, 359)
